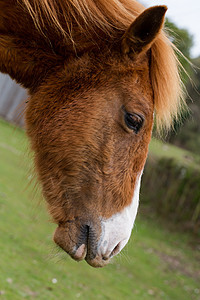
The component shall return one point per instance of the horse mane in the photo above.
(110, 16)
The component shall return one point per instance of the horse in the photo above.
(99, 75)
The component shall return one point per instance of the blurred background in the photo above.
(162, 260)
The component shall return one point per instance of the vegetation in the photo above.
(156, 264)
(183, 40)
(187, 133)
(184, 158)
(171, 185)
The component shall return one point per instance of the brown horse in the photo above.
(96, 72)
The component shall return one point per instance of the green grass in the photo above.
(182, 157)
(156, 264)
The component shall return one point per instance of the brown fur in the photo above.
(84, 63)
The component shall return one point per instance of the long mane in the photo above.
(111, 16)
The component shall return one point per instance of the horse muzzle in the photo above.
(97, 239)
(94, 243)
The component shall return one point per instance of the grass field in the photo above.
(156, 264)
(182, 157)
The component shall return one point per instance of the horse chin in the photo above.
(97, 262)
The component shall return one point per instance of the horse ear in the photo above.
(142, 32)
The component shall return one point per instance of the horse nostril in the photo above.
(116, 250)
(105, 257)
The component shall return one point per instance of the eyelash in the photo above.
(133, 121)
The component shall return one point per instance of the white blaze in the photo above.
(117, 229)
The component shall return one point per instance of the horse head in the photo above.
(89, 119)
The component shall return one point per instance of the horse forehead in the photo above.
(125, 64)
(109, 63)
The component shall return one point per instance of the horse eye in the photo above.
(133, 121)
